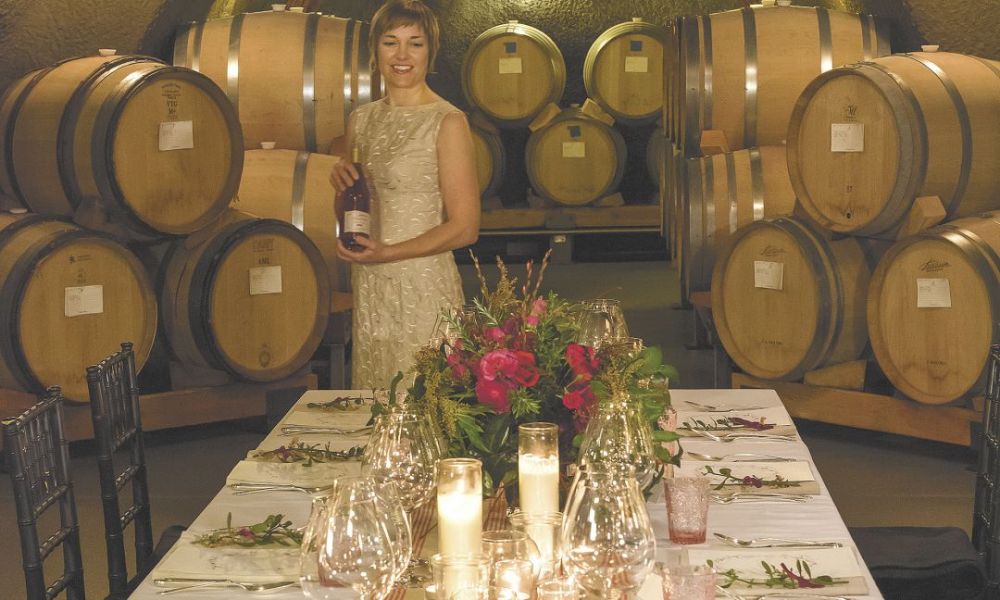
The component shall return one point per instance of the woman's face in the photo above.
(403, 56)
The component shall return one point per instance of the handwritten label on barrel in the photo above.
(574, 149)
(768, 275)
(176, 135)
(636, 64)
(933, 293)
(847, 137)
(265, 280)
(83, 300)
(510, 64)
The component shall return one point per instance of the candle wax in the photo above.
(538, 483)
(460, 523)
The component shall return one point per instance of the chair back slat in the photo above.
(986, 514)
(114, 402)
(38, 461)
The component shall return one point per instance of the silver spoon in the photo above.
(739, 457)
(223, 583)
(768, 542)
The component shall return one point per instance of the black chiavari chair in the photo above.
(986, 515)
(38, 461)
(114, 401)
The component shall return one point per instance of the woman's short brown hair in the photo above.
(400, 13)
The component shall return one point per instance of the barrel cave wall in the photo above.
(37, 34)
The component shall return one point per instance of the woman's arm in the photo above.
(459, 191)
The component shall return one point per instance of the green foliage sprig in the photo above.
(271, 530)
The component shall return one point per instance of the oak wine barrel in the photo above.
(68, 299)
(294, 187)
(156, 147)
(742, 70)
(491, 158)
(655, 147)
(249, 296)
(786, 300)
(575, 159)
(294, 78)
(868, 139)
(934, 309)
(10, 104)
(511, 72)
(726, 192)
(623, 71)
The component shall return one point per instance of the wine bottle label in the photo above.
(265, 280)
(84, 300)
(357, 221)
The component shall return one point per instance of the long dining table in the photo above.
(815, 519)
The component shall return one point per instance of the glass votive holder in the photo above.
(538, 467)
(545, 530)
(488, 593)
(508, 544)
(688, 582)
(452, 574)
(687, 508)
(514, 574)
(558, 589)
(460, 506)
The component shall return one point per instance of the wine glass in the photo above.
(608, 541)
(397, 521)
(595, 328)
(309, 572)
(617, 434)
(401, 450)
(356, 549)
(602, 317)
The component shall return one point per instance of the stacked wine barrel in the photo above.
(514, 75)
(876, 152)
(732, 79)
(105, 155)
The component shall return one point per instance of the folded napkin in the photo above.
(913, 563)
(722, 421)
(798, 473)
(251, 565)
(318, 474)
(317, 417)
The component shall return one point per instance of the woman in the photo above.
(418, 155)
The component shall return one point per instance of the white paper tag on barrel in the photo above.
(265, 280)
(768, 275)
(176, 135)
(847, 137)
(574, 150)
(933, 293)
(84, 300)
(636, 64)
(510, 65)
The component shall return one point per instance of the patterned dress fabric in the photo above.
(397, 305)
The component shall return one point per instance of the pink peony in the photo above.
(498, 363)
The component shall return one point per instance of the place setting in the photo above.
(753, 423)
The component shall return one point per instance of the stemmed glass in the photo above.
(617, 434)
(601, 321)
(354, 546)
(313, 586)
(608, 541)
(402, 450)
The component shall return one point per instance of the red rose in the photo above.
(493, 394)
(495, 335)
(498, 363)
(578, 396)
(526, 373)
(582, 360)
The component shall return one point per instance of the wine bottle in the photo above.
(354, 208)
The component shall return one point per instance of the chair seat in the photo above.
(922, 563)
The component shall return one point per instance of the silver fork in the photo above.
(732, 437)
(251, 488)
(768, 542)
(739, 457)
(720, 409)
(293, 429)
(220, 583)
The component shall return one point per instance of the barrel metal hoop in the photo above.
(733, 195)
(233, 62)
(28, 219)
(830, 295)
(962, 111)
(695, 224)
(836, 284)
(181, 41)
(750, 101)
(866, 35)
(14, 288)
(364, 75)
(196, 51)
(611, 34)
(66, 137)
(706, 226)
(349, 99)
(309, 81)
(826, 39)
(989, 65)
(706, 27)
(914, 170)
(298, 189)
(8, 141)
(757, 178)
(692, 89)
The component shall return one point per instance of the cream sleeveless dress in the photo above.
(396, 305)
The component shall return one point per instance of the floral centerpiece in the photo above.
(513, 359)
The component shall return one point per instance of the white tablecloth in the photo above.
(816, 520)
